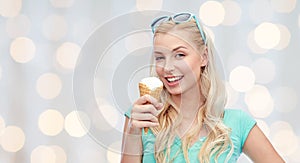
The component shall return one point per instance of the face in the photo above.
(178, 63)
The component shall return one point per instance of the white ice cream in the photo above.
(152, 82)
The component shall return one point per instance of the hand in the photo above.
(144, 113)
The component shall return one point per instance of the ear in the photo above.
(204, 57)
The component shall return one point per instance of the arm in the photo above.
(259, 149)
(143, 114)
(131, 144)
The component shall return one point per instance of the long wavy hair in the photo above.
(210, 114)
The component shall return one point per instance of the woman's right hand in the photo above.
(144, 114)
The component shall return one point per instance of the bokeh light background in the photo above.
(258, 41)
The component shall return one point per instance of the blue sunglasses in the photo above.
(178, 18)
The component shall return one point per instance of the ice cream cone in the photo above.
(151, 86)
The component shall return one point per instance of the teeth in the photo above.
(172, 79)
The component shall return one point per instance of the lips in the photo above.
(173, 80)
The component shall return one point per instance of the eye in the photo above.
(158, 58)
(179, 55)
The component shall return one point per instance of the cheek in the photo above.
(159, 70)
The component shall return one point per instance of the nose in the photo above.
(169, 66)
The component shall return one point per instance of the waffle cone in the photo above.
(154, 93)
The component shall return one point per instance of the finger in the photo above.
(149, 99)
(143, 124)
(144, 117)
(147, 108)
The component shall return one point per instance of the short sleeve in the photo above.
(128, 112)
(247, 123)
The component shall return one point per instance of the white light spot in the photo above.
(285, 141)
(55, 27)
(283, 6)
(43, 154)
(259, 101)
(51, 122)
(267, 35)
(232, 12)
(142, 5)
(10, 8)
(264, 70)
(286, 99)
(18, 26)
(253, 45)
(285, 37)
(62, 3)
(60, 154)
(212, 13)
(2, 126)
(22, 49)
(77, 123)
(48, 85)
(242, 78)
(67, 55)
(12, 139)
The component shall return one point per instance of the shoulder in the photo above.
(240, 123)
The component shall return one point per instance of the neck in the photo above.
(189, 103)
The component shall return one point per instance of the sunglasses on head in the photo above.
(178, 18)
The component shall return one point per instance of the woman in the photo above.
(189, 122)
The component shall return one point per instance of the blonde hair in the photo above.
(210, 113)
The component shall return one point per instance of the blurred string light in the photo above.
(286, 99)
(12, 139)
(212, 13)
(283, 6)
(62, 3)
(60, 154)
(263, 126)
(10, 8)
(285, 37)
(22, 49)
(253, 45)
(267, 35)
(142, 5)
(232, 95)
(241, 78)
(77, 123)
(48, 85)
(264, 70)
(51, 122)
(48, 154)
(18, 26)
(67, 54)
(232, 12)
(55, 27)
(283, 138)
(259, 101)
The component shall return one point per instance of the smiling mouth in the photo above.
(173, 79)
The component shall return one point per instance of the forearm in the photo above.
(132, 148)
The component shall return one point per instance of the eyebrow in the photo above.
(175, 49)
(179, 47)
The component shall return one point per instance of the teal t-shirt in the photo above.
(239, 121)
